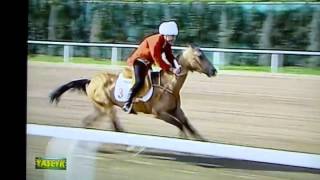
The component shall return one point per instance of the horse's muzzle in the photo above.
(212, 72)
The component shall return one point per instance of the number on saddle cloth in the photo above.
(126, 80)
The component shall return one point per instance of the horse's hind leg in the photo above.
(172, 120)
(184, 120)
(88, 120)
(114, 119)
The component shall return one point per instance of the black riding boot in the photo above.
(127, 107)
(140, 71)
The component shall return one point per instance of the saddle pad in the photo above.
(122, 88)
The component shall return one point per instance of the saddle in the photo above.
(126, 80)
(128, 73)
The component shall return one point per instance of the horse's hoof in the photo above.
(120, 130)
(86, 124)
(133, 112)
(203, 139)
(183, 135)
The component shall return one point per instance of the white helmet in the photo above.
(168, 28)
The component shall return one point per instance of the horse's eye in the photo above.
(201, 56)
(198, 53)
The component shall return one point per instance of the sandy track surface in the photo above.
(88, 161)
(252, 109)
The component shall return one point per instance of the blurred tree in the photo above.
(37, 19)
(224, 35)
(226, 29)
(76, 19)
(133, 29)
(314, 37)
(209, 25)
(37, 24)
(265, 38)
(95, 32)
(254, 19)
(52, 24)
(238, 22)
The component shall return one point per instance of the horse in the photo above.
(164, 104)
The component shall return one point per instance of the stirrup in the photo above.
(127, 107)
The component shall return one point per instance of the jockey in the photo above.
(154, 49)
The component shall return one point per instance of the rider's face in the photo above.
(170, 39)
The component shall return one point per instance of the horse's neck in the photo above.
(174, 82)
(180, 81)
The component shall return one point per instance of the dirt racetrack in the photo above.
(252, 109)
(94, 161)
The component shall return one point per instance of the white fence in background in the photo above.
(179, 145)
(217, 53)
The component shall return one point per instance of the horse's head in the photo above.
(194, 59)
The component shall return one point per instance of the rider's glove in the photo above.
(177, 70)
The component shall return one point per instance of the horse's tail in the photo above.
(79, 85)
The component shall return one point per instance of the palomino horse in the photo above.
(164, 104)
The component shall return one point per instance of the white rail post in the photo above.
(216, 59)
(66, 54)
(71, 48)
(276, 62)
(114, 55)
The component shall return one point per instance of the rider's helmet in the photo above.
(168, 28)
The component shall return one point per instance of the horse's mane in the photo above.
(192, 45)
(178, 56)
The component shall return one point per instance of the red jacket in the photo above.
(151, 49)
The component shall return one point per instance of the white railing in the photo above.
(217, 53)
(179, 145)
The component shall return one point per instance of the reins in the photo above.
(166, 88)
(162, 87)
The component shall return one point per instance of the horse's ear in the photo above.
(188, 47)
(192, 45)
(197, 52)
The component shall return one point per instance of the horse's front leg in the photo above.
(172, 120)
(184, 120)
